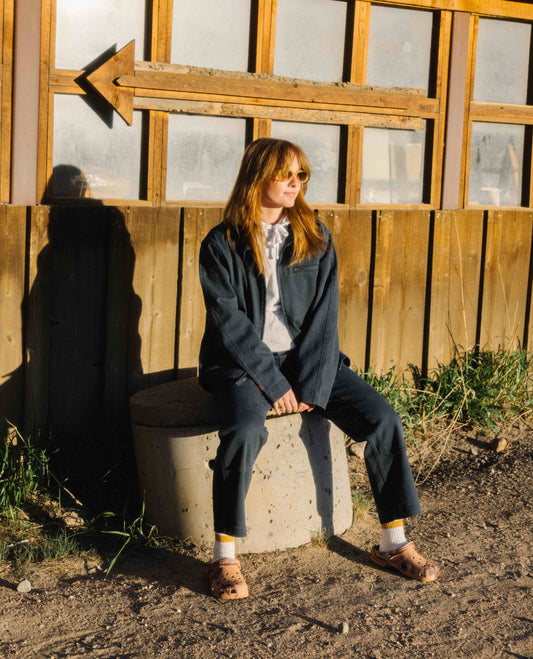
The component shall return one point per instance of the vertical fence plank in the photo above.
(197, 222)
(457, 248)
(12, 248)
(352, 234)
(37, 310)
(154, 235)
(399, 289)
(78, 286)
(506, 279)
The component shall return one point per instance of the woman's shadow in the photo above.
(81, 345)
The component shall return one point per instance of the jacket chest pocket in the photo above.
(300, 289)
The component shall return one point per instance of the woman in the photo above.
(269, 277)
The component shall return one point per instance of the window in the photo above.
(499, 156)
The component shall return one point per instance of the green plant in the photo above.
(321, 538)
(23, 470)
(362, 501)
(478, 387)
(136, 533)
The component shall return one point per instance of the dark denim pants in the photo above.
(354, 406)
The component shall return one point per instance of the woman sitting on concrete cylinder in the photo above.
(269, 277)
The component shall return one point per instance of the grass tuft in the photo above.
(478, 388)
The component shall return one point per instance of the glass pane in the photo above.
(502, 61)
(85, 30)
(399, 47)
(496, 162)
(393, 166)
(90, 158)
(211, 33)
(204, 154)
(310, 39)
(321, 145)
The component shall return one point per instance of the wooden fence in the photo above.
(98, 302)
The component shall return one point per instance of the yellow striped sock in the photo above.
(222, 537)
(224, 546)
(392, 536)
(392, 525)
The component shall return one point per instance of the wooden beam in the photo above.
(441, 91)
(6, 71)
(163, 77)
(501, 113)
(494, 8)
(225, 109)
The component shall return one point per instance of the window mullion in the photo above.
(161, 41)
(264, 41)
(359, 22)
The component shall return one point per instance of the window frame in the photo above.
(500, 113)
(432, 109)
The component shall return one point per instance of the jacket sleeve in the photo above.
(318, 343)
(233, 328)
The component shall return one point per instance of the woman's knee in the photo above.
(388, 430)
(241, 442)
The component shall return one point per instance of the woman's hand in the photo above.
(288, 403)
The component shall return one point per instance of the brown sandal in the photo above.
(406, 560)
(225, 579)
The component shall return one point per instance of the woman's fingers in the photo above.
(286, 404)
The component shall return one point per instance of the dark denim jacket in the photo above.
(235, 302)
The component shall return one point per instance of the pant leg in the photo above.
(242, 436)
(363, 414)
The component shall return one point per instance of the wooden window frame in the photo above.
(6, 95)
(501, 113)
(250, 96)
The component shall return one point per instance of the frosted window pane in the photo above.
(502, 61)
(399, 47)
(211, 33)
(393, 166)
(496, 162)
(310, 39)
(321, 145)
(86, 29)
(204, 154)
(107, 160)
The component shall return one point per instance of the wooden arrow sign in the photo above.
(103, 80)
(126, 84)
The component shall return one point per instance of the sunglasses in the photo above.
(286, 175)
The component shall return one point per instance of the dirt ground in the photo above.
(477, 527)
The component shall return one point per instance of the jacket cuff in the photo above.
(277, 390)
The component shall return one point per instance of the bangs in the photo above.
(287, 155)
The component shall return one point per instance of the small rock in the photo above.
(474, 451)
(498, 444)
(24, 586)
(344, 627)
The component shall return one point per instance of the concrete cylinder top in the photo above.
(174, 405)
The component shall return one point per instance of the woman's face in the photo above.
(282, 194)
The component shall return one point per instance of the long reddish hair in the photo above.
(242, 212)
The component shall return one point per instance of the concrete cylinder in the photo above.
(300, 484)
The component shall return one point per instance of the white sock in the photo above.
(224, 546)
(392, 536)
